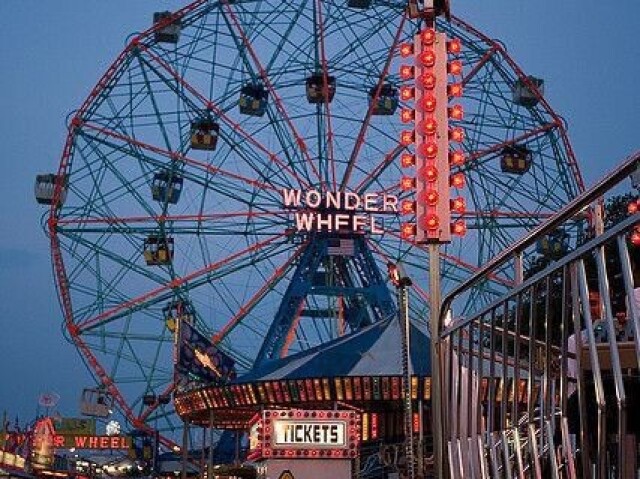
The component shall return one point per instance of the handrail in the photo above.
(556, 265)
(570, 210)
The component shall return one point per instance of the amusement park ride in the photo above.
(244, 172)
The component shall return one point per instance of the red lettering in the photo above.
(104, 442)
(58, 441)
(93, 442)
(80, 441)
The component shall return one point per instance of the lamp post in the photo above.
(402, 282)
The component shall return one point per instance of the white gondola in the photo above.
(166, 187)
(45, 186)
(96, 402)
(316, 88)
(169, 33)
(158, 250)
(524, 95)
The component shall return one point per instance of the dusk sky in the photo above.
(53, 52)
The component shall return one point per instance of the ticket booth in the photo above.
(303, 444)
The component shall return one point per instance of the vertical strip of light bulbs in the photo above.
(431, 136)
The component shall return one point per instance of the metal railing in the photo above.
(543, 381)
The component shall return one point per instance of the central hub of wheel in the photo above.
(338, 211)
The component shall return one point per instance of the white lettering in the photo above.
(390, 203)
(374, 227)
(342, 221)
(304, 221)
(370, 200)
(351, 201)
(325, 223)
(313, 198)
(291, 197)
(333, 199)
(359, 222)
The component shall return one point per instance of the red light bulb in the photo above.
(430, 197)
(407, 115)
(406, 137)
(428, 36)
(458, 180)
(459, 204)
(407, 207)
(407, 93)
(406, 72)
(429, 173)
(428, 149)
(632, 208)
(429, 126)
(407, 230)
(454, 46)
(431, 222)
(455, 67)
(454, 90)
(428, 103)
(407, 160)
(406, 49)
(407, 183)
(428, 81)
(456, 112)
(456, 134)
(427, 58)
(457, 158)
(459, 228)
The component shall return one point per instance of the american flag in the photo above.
(341, 247)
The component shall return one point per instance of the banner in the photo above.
(198, 359)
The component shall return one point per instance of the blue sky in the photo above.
(53, 52)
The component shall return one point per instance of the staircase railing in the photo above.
(543, 381)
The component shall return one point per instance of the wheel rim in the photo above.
(233, 259)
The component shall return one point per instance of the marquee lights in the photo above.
(432, 135)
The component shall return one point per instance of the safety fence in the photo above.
(543, 382)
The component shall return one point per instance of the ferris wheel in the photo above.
(171, 194)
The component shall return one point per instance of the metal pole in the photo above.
(185, 449)
(403, 302)
(436, 386)
(210, 460)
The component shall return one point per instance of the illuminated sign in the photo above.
(309, 434)
(304, 434)
(338, 210)
(91, 442)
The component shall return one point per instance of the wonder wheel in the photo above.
(170, 195)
